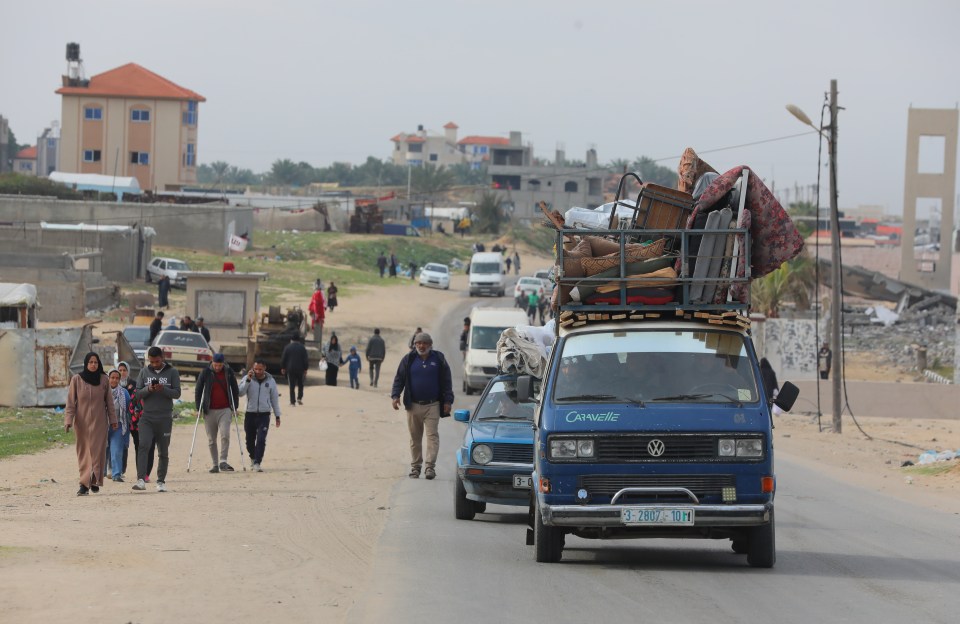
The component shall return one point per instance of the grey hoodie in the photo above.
(159, 404)
(262, 396)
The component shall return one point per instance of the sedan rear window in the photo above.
(436, 268)
(182, 339)
(137, 334)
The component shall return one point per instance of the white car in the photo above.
(436, 275)
(186, 350)
(171, 267)
(546, 276)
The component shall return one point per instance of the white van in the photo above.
(486, 325)
(487, 274)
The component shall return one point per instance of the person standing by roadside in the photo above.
(533, 306)
(354, 363)
(413, 338)
(294, 364)
(413, 269)
(218, 396)
(156, 326)
(393, 264)
(465, 337)
(118, 439)
(332, 296)
(381, 264)
(824, 361)
(317, 314)
(262, 394)
(507, 262)
(163, 292)
(203, 330)
(157, 387)
(334, 357)
(88, 401)
(376, 352)
(426, 384)
(516, 262)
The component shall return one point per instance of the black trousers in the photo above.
(374, 371)
(256, 425)
(295, 380)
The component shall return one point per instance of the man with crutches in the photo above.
(217, 396)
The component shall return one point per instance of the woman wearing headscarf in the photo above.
(332, 296)
(334, 357)
(118, 439)
(769, 379)
(89, 408)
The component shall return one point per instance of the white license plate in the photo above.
(663, 516)
(523, 482)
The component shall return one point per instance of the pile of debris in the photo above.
(922, 336)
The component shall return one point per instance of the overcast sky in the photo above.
(333, 81)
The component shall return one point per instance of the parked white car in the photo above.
(171, 267)
(435, 275)
(186, 350)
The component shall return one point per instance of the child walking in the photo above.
(354, 362)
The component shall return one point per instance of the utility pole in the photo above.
(836, 303)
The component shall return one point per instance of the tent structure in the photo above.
(98, 182)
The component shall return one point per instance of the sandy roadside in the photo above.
(297, 542)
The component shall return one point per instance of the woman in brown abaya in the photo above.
(89, 408)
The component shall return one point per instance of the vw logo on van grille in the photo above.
(655, 448)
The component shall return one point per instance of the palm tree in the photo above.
(431, 180)
(284, 172)
(487, 213)
(792, 281)
(220, 169)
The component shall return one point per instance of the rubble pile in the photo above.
(917, 327)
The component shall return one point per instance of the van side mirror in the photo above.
(524, 388)
(461, 415)
(787, 396)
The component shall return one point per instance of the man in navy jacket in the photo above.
(426, 384)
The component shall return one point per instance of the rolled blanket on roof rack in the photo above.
(525, 349)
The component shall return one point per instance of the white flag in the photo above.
(238, 243)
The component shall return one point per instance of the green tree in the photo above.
(219, 169)
(619, 165)
(464, 174)
(650, 171)
(431, 180)
(792, 282)
(487, 214)
(285, 172)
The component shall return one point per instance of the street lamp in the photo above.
(836, 307)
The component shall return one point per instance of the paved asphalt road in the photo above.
(843, 555)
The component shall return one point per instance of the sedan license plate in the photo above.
(663, 516)
(522, 482)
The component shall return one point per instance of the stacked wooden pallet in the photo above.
(569, 318)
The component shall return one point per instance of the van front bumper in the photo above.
(609, 515)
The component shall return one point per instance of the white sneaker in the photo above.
(140, 485)
(257, 468)
(161, 486)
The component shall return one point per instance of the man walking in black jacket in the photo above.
(294, 364)
(218, 395)
(425, 381)
(376, 352)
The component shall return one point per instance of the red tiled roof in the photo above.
(408, 138)
(450, 125)
(133, 81)
(412, 138)
(483, 140)
(397, 137)
(27, 153)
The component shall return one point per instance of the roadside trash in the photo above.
(906, 463)
(930, 457)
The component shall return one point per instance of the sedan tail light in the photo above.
(204, 357)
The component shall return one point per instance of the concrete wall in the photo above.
(200, 226)
(790, 345)
(65, 295)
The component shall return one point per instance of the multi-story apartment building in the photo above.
(476, 149)
(421, 147)
(521, 184)
(25, 162)
(132, 122)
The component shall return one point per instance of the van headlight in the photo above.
(572, 448)
(743, 447)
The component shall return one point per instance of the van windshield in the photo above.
(485, 267)
(655, 366)
(485, 337)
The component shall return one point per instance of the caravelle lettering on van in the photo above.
(590, 417)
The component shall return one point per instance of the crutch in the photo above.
(236, 424)
(195, 427)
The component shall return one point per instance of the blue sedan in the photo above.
(495, 460)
